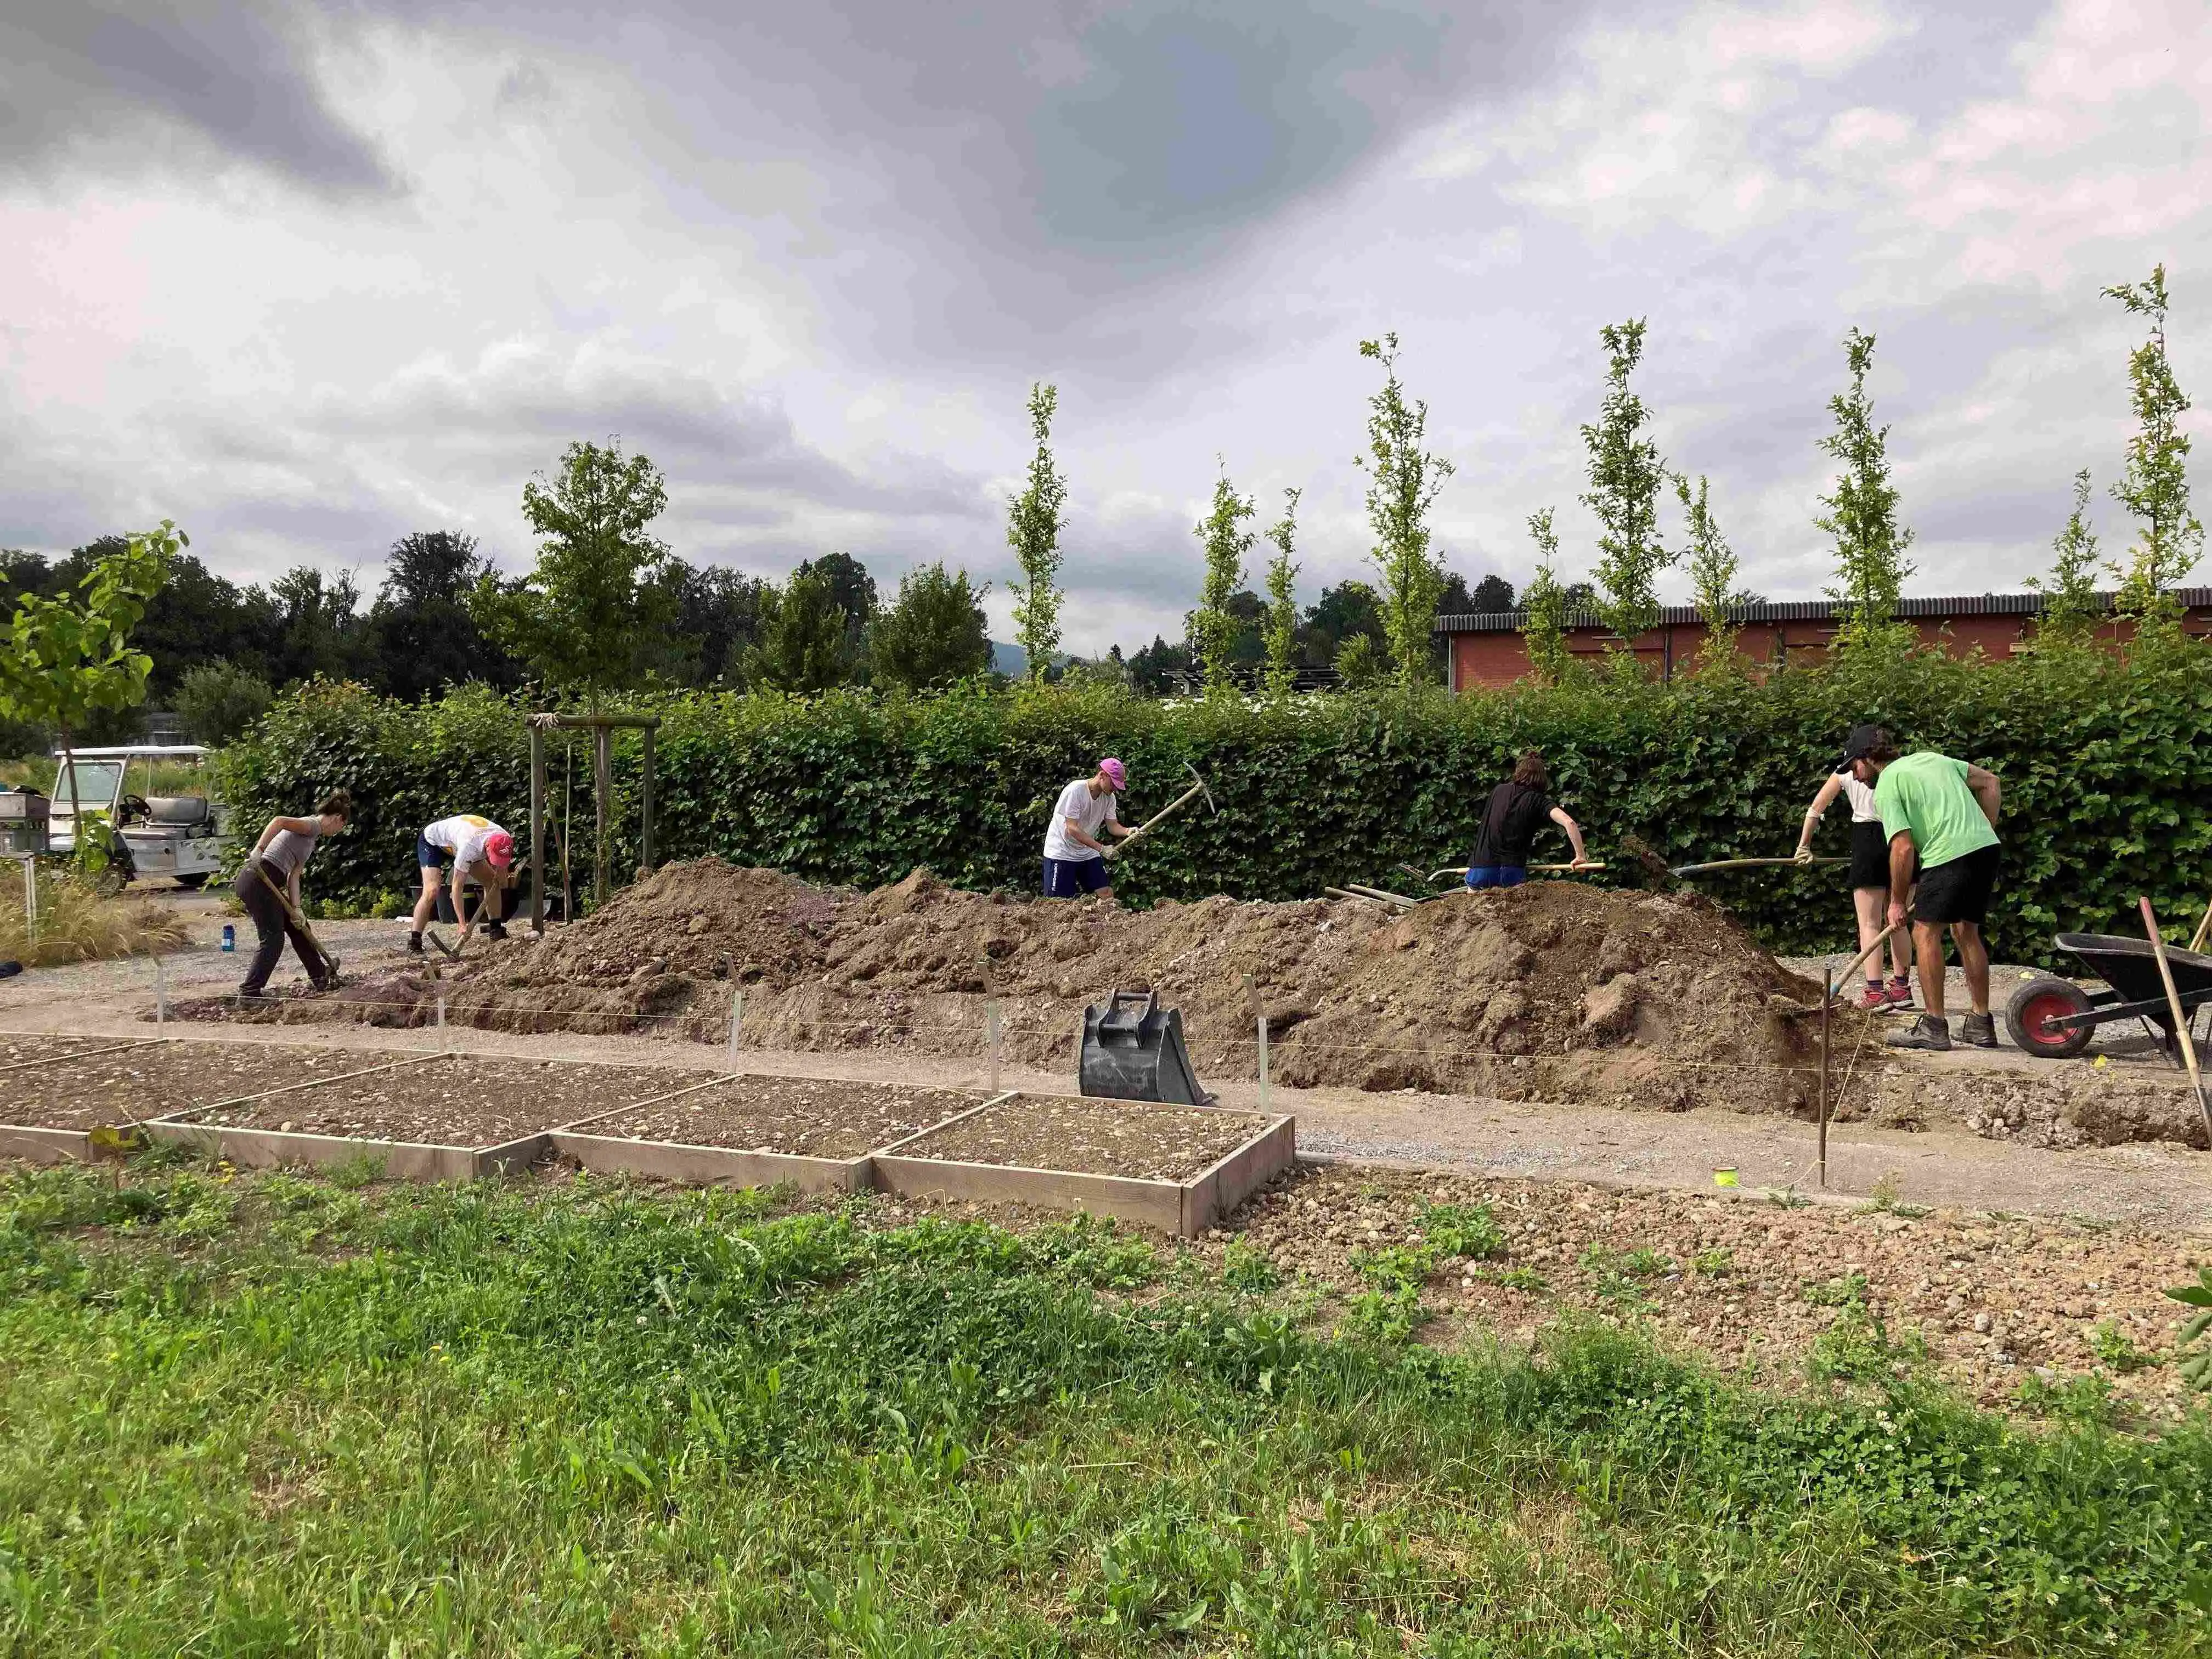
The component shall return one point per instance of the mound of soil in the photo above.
(1549, 991)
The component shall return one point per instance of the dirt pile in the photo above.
(1551, 991)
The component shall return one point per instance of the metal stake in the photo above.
(737, 1019)
(1827, 1001)
(30, 900)
(441, 1010)
(991, 1025)
(1259, 1023)
(161, 994)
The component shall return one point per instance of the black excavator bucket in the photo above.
(1132, 1049)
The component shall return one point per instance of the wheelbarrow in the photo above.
(2054, 1017)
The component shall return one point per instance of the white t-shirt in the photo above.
(463, 836)
(1861, 796)
(1076, 802)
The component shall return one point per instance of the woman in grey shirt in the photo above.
(279, 857)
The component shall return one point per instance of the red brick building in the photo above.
(1488, 650)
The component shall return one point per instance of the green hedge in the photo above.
(2106, 770)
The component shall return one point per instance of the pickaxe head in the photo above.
(1211, 804)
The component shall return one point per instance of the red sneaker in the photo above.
(1876, 1000)
(1898, 994)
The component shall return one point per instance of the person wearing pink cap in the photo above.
(1074, 857)
(482, 854)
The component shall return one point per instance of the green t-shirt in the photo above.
(1926, 793)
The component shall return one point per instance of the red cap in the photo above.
(1114, 775)
(499, 848)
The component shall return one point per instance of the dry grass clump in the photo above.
(76, 924)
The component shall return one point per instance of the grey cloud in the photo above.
(111, 86)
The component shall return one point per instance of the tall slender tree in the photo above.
(1404, 480)
(1713, 569)
(1034, 520)
(1625, 476)
(1221, 532)
(1544, 606)
(1861, 515)
(1280, 629)
(2070, 610)
(2154, 485)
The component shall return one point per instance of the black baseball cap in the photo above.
(1862, 742)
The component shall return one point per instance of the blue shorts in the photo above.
(1497, 875)
(428, 857)
(1073, 878)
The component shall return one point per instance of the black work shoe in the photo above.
(1930, 1031)
(495, 930)
(414, 945)
(1980, 1030)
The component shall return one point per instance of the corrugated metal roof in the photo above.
(1814, 610)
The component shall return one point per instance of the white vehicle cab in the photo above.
(177, 836)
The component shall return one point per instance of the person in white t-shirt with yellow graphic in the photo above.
(483, 853)
(1074, 857)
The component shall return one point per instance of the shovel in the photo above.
(330, 974)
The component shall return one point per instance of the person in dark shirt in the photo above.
(1516, 811)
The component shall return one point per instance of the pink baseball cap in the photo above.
(499, 848)
(1113, 769)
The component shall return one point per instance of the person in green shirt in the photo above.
(1940, 815)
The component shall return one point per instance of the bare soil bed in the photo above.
(1091, 1137)
(137, 1085)
(22, 1049)
(453, 1101)
(1995, 1300)
(811, 1117)
(1551, 991)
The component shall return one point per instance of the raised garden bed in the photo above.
(756, 1131)
(437, 1117)
(52, 1110)
(1177, 1168)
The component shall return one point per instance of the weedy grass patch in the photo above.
(588, 1417)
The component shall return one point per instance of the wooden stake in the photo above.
(1827, 1002)
(1259, 1023)
(2196, 939)
(2181, 1023)
(603, 783)
(536, 828)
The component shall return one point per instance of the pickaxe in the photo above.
(1197, 788)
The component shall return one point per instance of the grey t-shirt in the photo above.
(288, 852)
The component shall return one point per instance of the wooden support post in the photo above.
(603, 783)
(2182, 1023)
(537, 830)
(1827, 1002)
(645, 816)
(736, 1022)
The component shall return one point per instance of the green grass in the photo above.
(273, 1415)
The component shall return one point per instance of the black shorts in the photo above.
(1073, 878)
(1958, 890)
(1869, 856)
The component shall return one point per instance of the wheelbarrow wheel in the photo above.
(2037, 1003)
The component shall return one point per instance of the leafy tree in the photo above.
(2154, 485)
(1280, 631)
(1493, 597)
(1544, 606)
(421, 637)
(1861, 515)
(1360, 664)
(1034, 521)
(1625, 475)
(1221, 532)
(1713, 570)
(1349, 608)
(591, 613)
(1405, 480)
(317, 627)
(854, 592)
(2071, 612)
(216, 701)
(1159, 669)
(68, 658)
(934, 632)
(717, 617)
(804, 647)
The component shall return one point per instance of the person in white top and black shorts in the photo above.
(1869, 874)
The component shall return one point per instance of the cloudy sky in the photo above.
(307, 277)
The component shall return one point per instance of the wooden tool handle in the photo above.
(2181, 1022)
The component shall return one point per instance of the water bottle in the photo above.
(230, 937)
